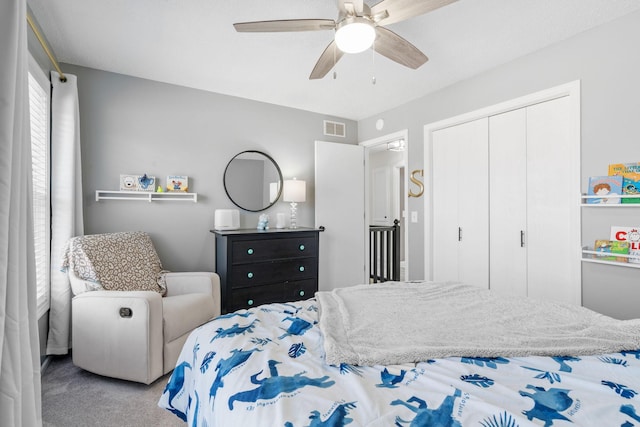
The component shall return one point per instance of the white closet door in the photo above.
(461, 204)
(551, 202)
(508, 202)
(473, 202)
(445, 205)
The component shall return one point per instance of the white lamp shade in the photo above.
(294, 191)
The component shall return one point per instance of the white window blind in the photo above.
(39, 101)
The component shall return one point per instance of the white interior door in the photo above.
(445, 205)
(473, 202)
(508, 202)
(381, 196)
(460, 204)
(551, 203)
(340, 206)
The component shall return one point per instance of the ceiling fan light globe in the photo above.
(355, 37)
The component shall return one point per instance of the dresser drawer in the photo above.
(244, 251)
(254, 296)
(279, 292)
(300, 290)
(261, 273)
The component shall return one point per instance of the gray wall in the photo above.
(607, 62)
(135, 126)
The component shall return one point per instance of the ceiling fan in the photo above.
(356, 28)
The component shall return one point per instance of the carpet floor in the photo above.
(73, 397)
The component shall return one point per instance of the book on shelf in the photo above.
(622, 168)
(631, 235)
(630, 173)
(611, 248)
(603, 186)
(631, 186)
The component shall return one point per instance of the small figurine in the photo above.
(263, 222)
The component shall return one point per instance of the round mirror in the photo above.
(253, 181)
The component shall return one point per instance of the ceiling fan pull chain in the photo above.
(373, 62)
(335, 74)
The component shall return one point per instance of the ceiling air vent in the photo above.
(334, 129)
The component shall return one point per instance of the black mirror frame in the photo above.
(224, 180)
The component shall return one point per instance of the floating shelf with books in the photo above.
(585, 201)
(620, 188)
(590, 255)
(146, 196)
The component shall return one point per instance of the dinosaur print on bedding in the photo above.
(267, 364)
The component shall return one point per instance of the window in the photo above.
(39, 101)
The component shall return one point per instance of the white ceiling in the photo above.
(193, 43)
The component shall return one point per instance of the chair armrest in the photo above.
(194, 282)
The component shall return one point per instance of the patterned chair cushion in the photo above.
(124, 261)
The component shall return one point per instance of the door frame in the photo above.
(404, 223)
(572, 90)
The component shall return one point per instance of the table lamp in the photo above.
(294, 191)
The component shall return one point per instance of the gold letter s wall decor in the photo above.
(417, 182)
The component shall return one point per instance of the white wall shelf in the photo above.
(590, 255)
(584, 198)
(146, 196)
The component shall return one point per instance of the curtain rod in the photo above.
(45, 46)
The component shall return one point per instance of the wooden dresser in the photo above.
(264, 266)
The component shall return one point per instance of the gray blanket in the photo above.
(394, 323)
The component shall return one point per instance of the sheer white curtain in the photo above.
(66, 202)
(20, 389)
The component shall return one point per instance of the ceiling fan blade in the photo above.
(285, 25)
(399, 10)
(397, 49)
(326, 62)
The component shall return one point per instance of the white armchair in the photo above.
(122, 324)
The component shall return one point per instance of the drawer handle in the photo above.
(301, 293)
(250, 302)
(302, 268)
(250, 275)
(250, 251)
(301, 247)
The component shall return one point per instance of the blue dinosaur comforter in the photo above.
(265, 367)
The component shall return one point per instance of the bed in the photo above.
(286, 364)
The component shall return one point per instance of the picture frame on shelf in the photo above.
(177, 183)
(146, 183)
(128, 182)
